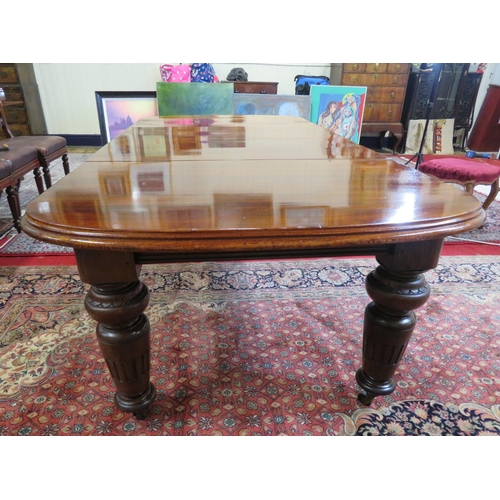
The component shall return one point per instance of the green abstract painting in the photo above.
(195, 98)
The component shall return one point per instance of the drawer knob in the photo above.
(375, 77)
(263, 91)
(395, 80)
(398, 67)
(354, 80)
(376, 66)
(370, 105)
(374, 89)
(389, 112)
(392, 94)
(354, 67)
(236, 91)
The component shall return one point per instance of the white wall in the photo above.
(67, 91)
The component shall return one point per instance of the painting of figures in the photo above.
(339, 109)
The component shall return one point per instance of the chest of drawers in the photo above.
(17, 116)
(25, 117)
(255, 87)
(386, 88)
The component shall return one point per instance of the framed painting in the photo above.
(282, 105)
(339, 109)
(119, 110)
(195, 98)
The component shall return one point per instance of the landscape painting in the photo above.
(195, 98)
(339, 109)
(117, 111)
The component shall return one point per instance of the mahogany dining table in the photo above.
(210, 188)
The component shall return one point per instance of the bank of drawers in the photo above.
(386, 87)
(256, 87)
(17, 116)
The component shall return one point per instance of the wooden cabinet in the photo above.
(386, 87)
(485, 135)
(255, 87)
(443, 87)
(19, 84)
(17, 116)
(465, 111)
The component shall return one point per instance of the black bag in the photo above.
(303, 83)
(237, 75)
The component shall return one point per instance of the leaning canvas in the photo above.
(438, 137)
(195, 98)
(339, 109)
(272, 104)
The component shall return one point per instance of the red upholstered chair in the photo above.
(466, 171)
(49, 147)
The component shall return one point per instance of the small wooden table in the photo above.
(246, 187)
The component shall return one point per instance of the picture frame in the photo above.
(118, 110)
(339, 109)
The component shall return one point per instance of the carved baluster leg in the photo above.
(65, 163)
(397, 287)
(14, 205)
(47, 176)
(38, 180)
(117, 301)
(123, 335)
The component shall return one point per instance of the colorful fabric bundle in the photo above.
(203, 72)
(171, 73)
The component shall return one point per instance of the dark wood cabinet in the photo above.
(255, 87)
(447, 81)
(466, 106)
(386, 88)
(485, 134)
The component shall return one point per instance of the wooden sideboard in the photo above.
(485, 134)
(255, 87)
(386, 88)
(19, 84)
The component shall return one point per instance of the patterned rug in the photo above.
(267, 348)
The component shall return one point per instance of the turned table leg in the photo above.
(117, 300)
(397, 287)
(123, 335)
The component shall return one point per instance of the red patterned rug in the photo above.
(259, 348)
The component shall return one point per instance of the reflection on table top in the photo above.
(227, 138)
(260, 180)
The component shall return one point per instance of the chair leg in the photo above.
(65, 164)
(38, 180)
(15, 206)
(492, 195)
(47, 176)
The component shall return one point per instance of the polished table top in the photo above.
(231, 183)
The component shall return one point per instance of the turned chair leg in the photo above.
(46, 175)
(65, 164)
(15, 206)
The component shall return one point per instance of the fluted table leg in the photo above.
(397, 287)
(117, 300)
(123, 335)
